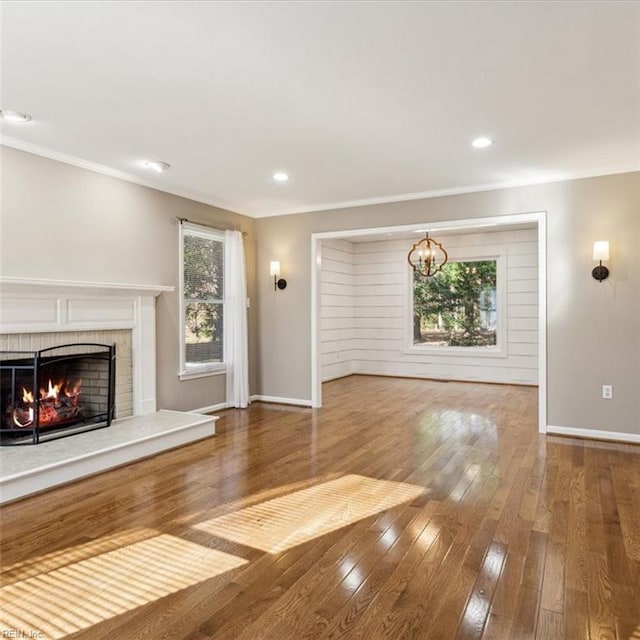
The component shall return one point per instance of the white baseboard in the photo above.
(596, 434)
(277, 400)
(339, 375)
(212, 407)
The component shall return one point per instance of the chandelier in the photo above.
(427, 256)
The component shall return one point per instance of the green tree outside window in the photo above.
(457, 307)
(203, 298)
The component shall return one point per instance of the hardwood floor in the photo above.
(404, 509)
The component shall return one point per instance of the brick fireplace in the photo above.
(38, 314)
(55, 392)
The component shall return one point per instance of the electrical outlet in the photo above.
(607, 391)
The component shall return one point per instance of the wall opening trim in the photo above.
(471, 224)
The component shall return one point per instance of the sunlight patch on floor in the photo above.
(77, 595)
(287, 521)
(71, 555)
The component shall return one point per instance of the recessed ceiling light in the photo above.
(157, 165)
(482, 143)
(15, 116)
(280, 176)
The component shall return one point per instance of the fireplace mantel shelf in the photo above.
(31, 284)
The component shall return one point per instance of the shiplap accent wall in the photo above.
(337, 321)
(371, 332)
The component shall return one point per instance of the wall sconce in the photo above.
(274, 270)
(600, 253)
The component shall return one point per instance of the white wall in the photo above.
(337, 321)
(371, 332)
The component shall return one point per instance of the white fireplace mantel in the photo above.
(30, 305)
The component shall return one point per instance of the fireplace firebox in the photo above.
(56, 392)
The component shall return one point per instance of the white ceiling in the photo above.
(357, 101)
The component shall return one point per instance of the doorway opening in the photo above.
(533, 224)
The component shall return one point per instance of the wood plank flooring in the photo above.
(403, 509)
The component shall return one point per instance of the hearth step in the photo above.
(28, 470)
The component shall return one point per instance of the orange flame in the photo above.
(75, 391)
(52, 392)
(27, 396)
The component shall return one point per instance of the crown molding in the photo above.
(44, 152)
(21, 145)
(453, 191)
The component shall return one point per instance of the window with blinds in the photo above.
(202, 299)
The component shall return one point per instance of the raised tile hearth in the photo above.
(28, 470)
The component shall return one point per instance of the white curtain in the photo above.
(235, 321)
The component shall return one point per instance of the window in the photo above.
(202, 301)
(458, 307)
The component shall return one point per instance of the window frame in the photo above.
(187, 372)
(499, 350)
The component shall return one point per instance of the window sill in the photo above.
(468, 352)
(202, 373)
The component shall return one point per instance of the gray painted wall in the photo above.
(593, 328)
(65, 223)
(105, 229)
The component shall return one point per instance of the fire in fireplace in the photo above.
(58, 404)
(55, 392)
